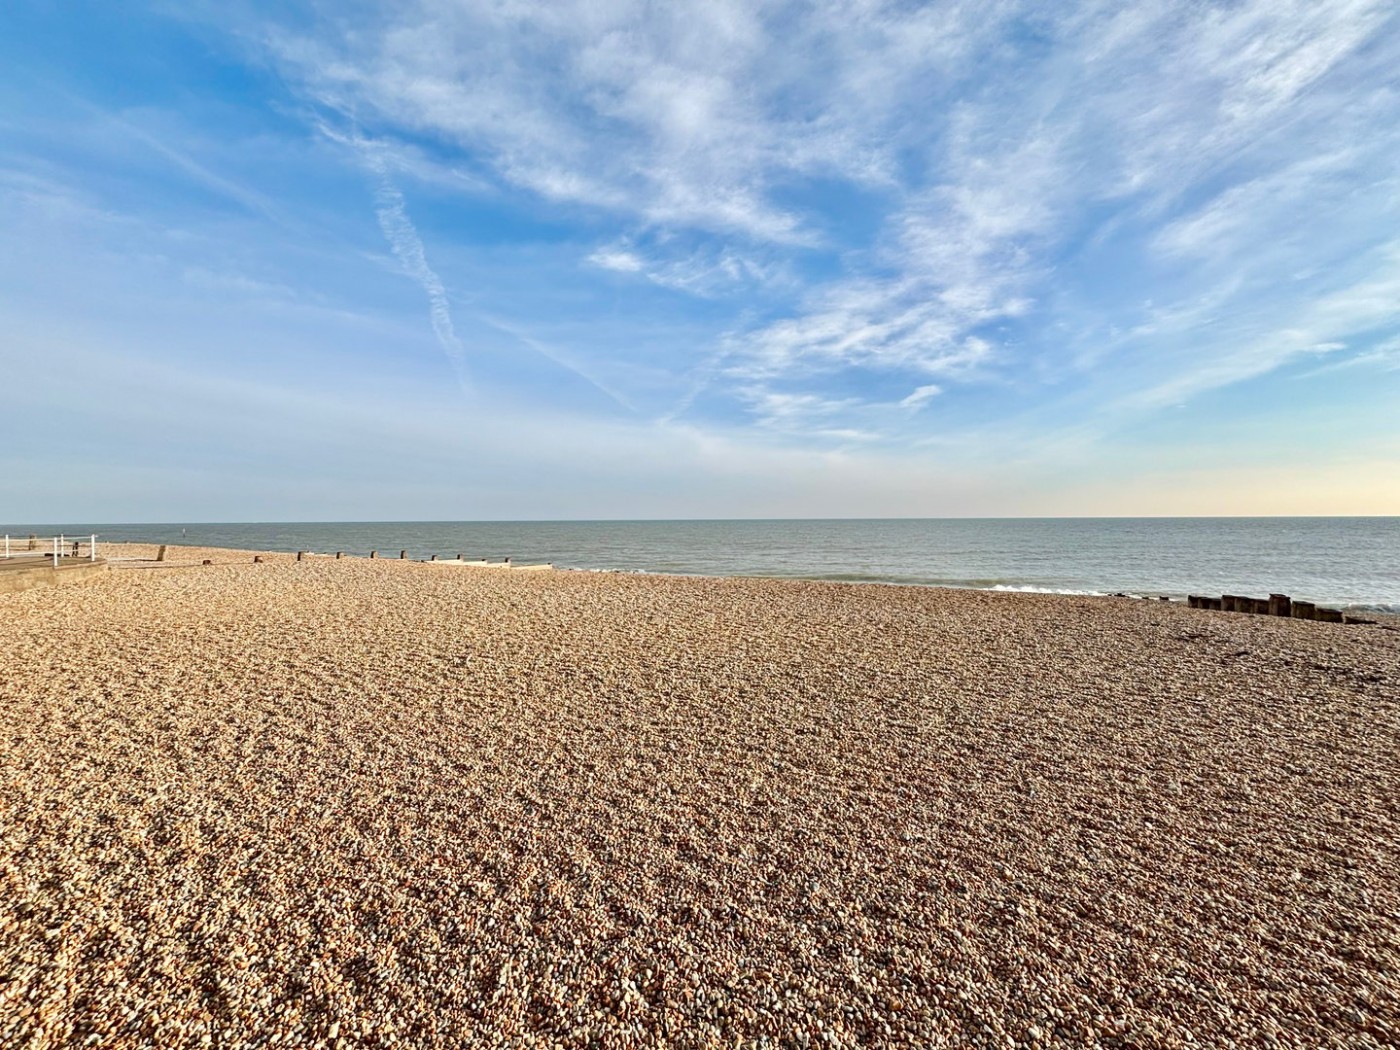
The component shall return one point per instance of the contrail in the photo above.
(403, 238)
(549, 353)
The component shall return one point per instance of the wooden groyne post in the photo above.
(1274, 605)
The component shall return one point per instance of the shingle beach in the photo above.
(381, 803)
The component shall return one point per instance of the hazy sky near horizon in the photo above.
(442, 260)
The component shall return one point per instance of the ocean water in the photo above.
(1341, 561)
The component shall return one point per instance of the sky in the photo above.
(432, 260)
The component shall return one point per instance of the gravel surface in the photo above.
(382, 803)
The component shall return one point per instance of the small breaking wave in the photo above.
(1030, 588)
(1391, 608)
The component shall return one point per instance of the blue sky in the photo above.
(623, 259)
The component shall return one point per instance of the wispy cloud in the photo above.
(641, 117)
(1321, 326)
(706, 272)
(807, 416)
(1135, 107)
(1384, 357)
(921, 396)
(963, 228)
(621, 260)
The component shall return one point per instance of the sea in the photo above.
(1347, 562)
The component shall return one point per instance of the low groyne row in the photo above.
(1273, 605)
(460, 559)
(165, 550)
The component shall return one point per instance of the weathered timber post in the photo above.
(1261, 606)
(1211, 603)
(374, 554)
(433, 558)
(1280, 605)
(1328, 615)
(33, 542)
(339, 555)
(160, 554)
(403, 555)
(1303, 610)
(257, 559)
(1227, 602)
(300, 555)
(1193, 601)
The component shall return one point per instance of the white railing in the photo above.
(54, 547)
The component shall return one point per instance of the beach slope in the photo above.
(379, 803)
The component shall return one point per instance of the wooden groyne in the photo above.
(432, 559)
(1273, 605)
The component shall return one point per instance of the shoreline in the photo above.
(1344, 563)
(1384, 615)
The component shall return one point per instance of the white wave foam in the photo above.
(1027, 588)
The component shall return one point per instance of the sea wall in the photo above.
(12, 580)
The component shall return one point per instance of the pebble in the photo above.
(375, 803)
